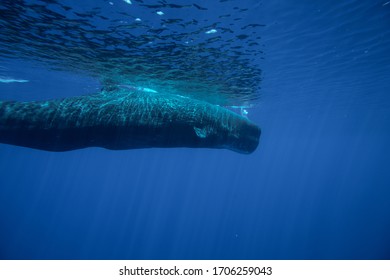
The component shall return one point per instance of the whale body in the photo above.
(125, 119)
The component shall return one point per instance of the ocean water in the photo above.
(315, 76)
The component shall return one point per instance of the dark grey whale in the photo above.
(125, 119)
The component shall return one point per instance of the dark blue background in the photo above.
(318, 186)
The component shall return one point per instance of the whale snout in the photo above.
(245, 138)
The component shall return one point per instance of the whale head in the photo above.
(244, 138)
(225, 129)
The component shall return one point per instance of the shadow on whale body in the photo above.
(125, 119)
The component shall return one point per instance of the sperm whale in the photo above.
(125, 119)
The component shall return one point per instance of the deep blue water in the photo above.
(317, 187)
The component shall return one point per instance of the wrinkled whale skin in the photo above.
(125, 119)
